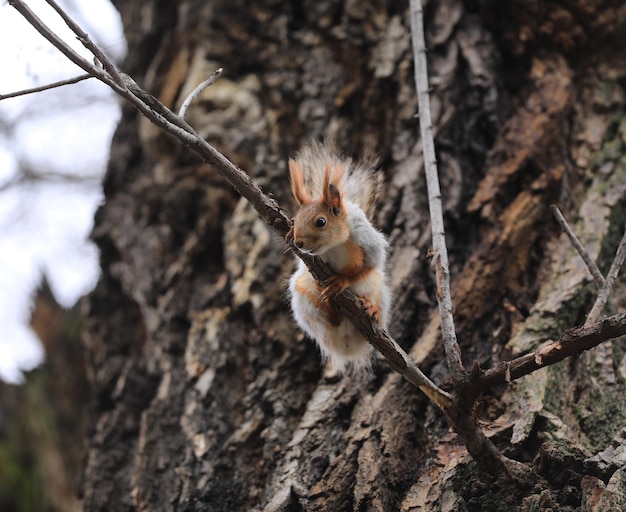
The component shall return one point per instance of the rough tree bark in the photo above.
(209, 398)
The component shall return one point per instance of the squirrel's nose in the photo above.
(299, 244)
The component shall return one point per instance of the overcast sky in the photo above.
(44, 225)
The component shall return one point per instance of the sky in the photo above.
(45, 224)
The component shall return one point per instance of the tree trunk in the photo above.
(207, 395)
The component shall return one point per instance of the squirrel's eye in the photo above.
(320, 222)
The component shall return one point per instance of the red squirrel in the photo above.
(337, 198)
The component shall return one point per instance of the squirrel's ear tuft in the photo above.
(296, 174)
(331, 193)
(333, 199)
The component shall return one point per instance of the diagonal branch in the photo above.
(605, 291)
(395, 356)
(573, 341)
(605, 285)
(591, 265)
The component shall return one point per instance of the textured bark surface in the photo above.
(209, 398)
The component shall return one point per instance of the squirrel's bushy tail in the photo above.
(360, 181)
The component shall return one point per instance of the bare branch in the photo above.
(453, 352)
(463, 413)
(53, 85)
(605, 291)
(194, 94)
(591, 265)
(573, 341)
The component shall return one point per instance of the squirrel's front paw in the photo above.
(333, 286)
(372, 309)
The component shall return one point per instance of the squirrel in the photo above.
(337, 198)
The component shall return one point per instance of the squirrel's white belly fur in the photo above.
(343, 345)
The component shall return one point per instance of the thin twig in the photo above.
(194, 94)
(29, 178)
(267, 207)
(88, 43)
(605, 291)
(62, 46)
(53, 85)
(453, 352)
(591, 265)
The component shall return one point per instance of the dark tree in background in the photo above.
(43, 420)
(207, 397)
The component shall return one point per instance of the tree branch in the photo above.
(453, 352)
(395, 356)
(605, 291)
(463, 413)
(41, 88)
(573, 341)
(591, 265)
(194, 94)
(605, 285)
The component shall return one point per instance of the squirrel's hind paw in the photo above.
(372, 309)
